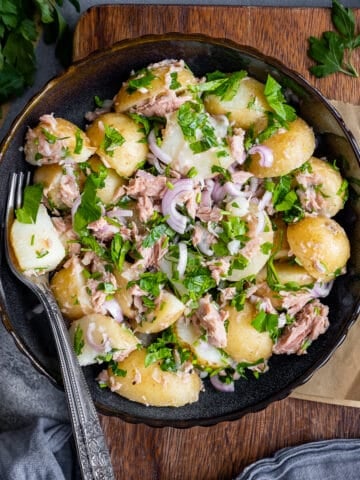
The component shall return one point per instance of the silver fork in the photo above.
(93, 455)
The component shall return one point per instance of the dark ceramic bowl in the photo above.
(101, 74)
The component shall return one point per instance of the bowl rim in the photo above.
(221, 42)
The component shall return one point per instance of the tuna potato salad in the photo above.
(188, 231)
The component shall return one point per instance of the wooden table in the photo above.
(222, 451)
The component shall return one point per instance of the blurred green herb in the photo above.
(20, 24)
(334, 49)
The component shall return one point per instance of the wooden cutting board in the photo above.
(279, 32)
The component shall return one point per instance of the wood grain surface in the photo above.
(279, 32)
(221, 452)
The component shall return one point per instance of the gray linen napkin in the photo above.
(35, 435)
(30, 453)
(324, 460)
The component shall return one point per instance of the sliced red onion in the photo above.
(321, 289)
(232, 189)
(74, 207)
(266, 155)
(113, 307)
(156, 150)
(261, 222)
(221, 386)
(204, 248)
(119, 213)
(206, 200)
(183, 255)
(154, 161)
(254, 184)
(265, 200)
(99, 347)
(176, 220)
(218, 192)
(233, 246)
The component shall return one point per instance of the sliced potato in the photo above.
(69, 288)
(169, 310)
(123, 295)
(153, 386)
(327, 184)
(102, 334)
(156, 80)
(290, 148)
(61, 184)
(245, 343)
(206, 355)
(260, 254)
(119, 142)
(321, 245)
(184, 158)
(289, 272)
(281, 247)
(37, 246)
(55, 139)
(112, 182)
(247, 107)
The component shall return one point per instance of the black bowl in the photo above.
(72, 94)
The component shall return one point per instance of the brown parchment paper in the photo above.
(338, 381)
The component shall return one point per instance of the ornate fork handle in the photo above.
(93, 454)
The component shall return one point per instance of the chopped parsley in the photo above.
(89, 209)
(196, 127)
(272, 91)
(79, 342)
(79, 142)
(112, 140)
(150, 282)
(156, 233)
(32, 199)
(221, 84)
(267, 322)
(285, 198)
(118, 250)
(163, 349)
(143, 79)
(175, 84)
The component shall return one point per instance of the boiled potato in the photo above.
(54, 140)
(61, 184)
(164, 315)
(153, 386)
(101, 334)
(119, 142)
(287, 273)
(191, 337)
(328, 183)
(69, 288)
(123, 295)
(281, 246)
(184, 159)
(245, 343)
(259, 255)
(321, 246)
(246, 108)
(157, 80)
(112, 183)
(37, 246)
(290, 148)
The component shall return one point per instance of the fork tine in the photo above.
(19, 190)
(12, 192)
(16, 191)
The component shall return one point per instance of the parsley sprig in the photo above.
(334, 49)
(18, 35)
